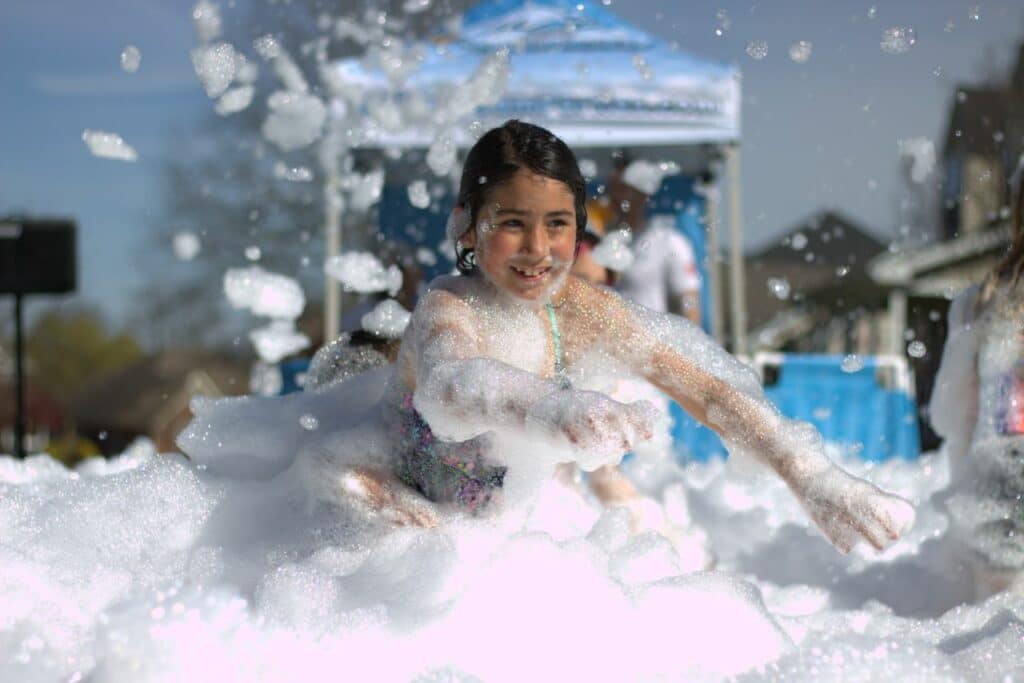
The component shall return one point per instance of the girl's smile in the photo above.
(525, 237)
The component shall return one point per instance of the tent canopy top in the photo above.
(573, 67)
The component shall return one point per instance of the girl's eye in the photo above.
(512, 224)
(558, 224)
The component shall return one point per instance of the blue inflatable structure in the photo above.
(865, 405)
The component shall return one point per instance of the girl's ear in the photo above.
(468, 238)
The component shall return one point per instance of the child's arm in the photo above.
(462, 393)
(722, 394)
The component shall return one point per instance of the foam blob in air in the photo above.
(419, 196)
(646, 176)
(278, 340)
(108, 146)
(186, 245)
(216, 66)
(361, 271)
(295, 120)
(131, 58)
(234, 100)
(264, 293)
(921, 153)
(614, 251)
(207, 21)
(388, 319)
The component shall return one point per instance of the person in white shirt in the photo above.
(664, 275)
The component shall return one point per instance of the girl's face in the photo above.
(525, 236)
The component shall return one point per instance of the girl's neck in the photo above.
(507, 300)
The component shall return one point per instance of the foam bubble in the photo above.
(361, 271)
(388, 319)
(131, 58)
(264, 293)
(108, 146)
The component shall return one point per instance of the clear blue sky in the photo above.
(815, 135)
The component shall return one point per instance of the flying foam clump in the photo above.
(361, 271)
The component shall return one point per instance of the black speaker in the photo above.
(38, 256)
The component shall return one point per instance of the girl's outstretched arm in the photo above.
(462, 393)
(724, 395)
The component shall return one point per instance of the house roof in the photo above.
(822, 259)
(977, 122)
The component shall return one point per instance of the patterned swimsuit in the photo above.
(456, 472)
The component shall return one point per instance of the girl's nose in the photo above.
(535, 240)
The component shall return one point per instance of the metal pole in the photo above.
(737, 279)
(714, 267)
(19, 382)
(332, 291)
(897, 321)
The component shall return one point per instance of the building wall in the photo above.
(981, 192)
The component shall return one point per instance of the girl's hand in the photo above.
(848, 509)
(593, 422)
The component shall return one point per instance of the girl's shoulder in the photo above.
(446, 288)
(585, 294)
(597, 305)
(446, 295)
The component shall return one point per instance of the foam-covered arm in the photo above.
(462, 393)
(725, 395)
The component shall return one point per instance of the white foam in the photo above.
(647, 176)
(364, 188)
(131, 58)
(921, 153)
(108, 145)
(294, 174)
(206, 17)
(264, 293)
(418, 194)
(216, 66)
(388, 319)
(186, 245)
(361, 271)
(898, 40)
(296, 119)
(235, 100)
(277, 340)
(441, 154)
(615, 251)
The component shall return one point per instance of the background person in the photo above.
(978, 407)
(664, 275)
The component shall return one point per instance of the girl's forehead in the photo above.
(526, 190)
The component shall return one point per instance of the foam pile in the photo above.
(148, 568)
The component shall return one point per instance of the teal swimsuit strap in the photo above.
(556, 338)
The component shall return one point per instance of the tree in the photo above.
(67, 349)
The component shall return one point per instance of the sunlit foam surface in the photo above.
(150, 568)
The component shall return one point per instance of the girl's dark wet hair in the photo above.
(499, 155)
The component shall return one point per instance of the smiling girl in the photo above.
(510, 344)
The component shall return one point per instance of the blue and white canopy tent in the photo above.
(574, 67)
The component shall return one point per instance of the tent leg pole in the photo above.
(712, 227)
(332, 294)
(19, 382)
(737, 279)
